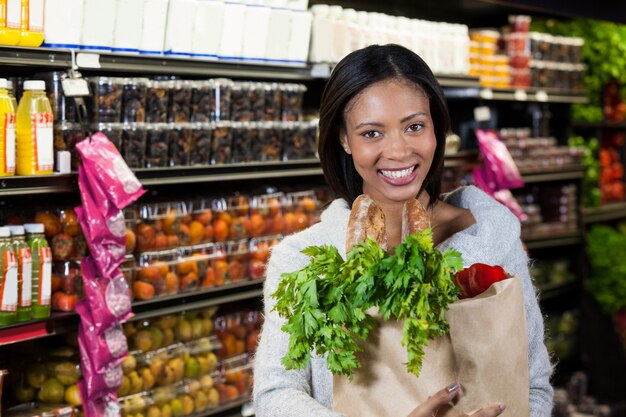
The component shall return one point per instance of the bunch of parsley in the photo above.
(325, 303)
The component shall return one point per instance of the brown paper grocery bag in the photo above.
(486, 351)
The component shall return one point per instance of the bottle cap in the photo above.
(34, 85)
(34, 227)
(4, 83)
(16, 230)
(5, 232)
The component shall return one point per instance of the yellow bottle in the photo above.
(35, 155)
(7, 132)
(31, 23)
(9, 22)
(11, 90)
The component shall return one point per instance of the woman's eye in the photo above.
(415, 127)
(371, 134)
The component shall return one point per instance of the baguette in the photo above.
(366, 220)
(414, 218)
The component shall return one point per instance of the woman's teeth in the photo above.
(398, 174)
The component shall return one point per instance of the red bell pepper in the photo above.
(477, 278)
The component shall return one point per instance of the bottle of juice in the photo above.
(8, 279)
(42, 269)
(34, 131)
(31, 23)
(7, 131)
(9, 22)
(24, 273)
(11, 91)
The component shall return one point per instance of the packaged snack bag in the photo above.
(108, 256)
(98, 384)
(108, 299)
(107, 406)
(103, 161)
(107, 349)
(499, 169)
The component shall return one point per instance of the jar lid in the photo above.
(5, 232)
(33, 227)
(16, 230)
(34, 85)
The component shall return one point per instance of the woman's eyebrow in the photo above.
(360, 125)
(409, 117)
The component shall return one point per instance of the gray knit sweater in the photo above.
(494, 240)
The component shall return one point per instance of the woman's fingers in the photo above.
(429, 407)
(490, 411)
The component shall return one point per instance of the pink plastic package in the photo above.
(108, 299)
(107, 349)
(103, 161)
(98, 384)
(108, 256)
(499, 169)
(107, 406)
(105, 221)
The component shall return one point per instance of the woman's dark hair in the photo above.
(357, 71)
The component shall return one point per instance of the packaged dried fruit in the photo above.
(238, 207)
(202, 138)
(236, 381)
(66, 285)
(157, 101)
(201, 225)
(129, 269)
(134, 100)
(63, 108)
(179, 110)
(300, 210)
(201, 99)
(259, 255)
(240, 101)
(157, 145)
(66, 135)
(156, 275)
(113, 132)
(207, 256)
(272, 95)
(220, 99)
(221, 146)
(182, 144)
(269, 145)
(64, 233)
(266, 216)
(159, 226)
(188, 269)
(243, 136)
(134, 144)
(106, 99)
(291, 99)
(300, 140)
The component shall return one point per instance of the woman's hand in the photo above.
(430, 407)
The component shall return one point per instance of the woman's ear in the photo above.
(343, 138)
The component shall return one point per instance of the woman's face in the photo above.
(390, 134)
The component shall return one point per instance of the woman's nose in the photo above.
(396, 146)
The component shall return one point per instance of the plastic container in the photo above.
(201, 218)
(220, 102)
(31, 23)
(66, 135)
(156, 275)
(113, 132)
(179, 101)
(266, 215)
(300, 210)
(159, 226)
(129, 269)
(7, 131)
(221, 145)
(134, 96)
(272, 95)
(41, 269)
(34, 135)
(157, 145)
(202, 139)
(157, 101)
(182, 145)
(64, 234)
(300, 140)
(227, 264)
(24, 272)
(291, 99)
(241, 102)
(188, 269)
(201, 98)
(63, 23)
(134, 145)
(259, 255)
(9, 270)
(10, 22)
(106, 100)
(269, 146)
(244, 134)
(67, 285)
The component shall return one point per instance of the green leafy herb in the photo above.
(325, 303)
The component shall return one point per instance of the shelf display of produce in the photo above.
(604, 212)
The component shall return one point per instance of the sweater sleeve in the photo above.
(539, 366)
(277, 391)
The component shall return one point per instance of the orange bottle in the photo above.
(31, 23)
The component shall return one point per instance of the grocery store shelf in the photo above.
(605, 212)
(231, 409)
(558, 239)
(58, 323)
(556, 175)
(552, 291)
(516, 94)
(600, 125)
(43, 184)
(198, 299)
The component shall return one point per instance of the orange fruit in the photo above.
(51, 223)
(187, 267)
(171, 222)
(209, 279)
(183, 233)
(143, 290)
(236, 271)
(226, 216)
(307, 204)
(172, 241)
(240, 228)
(241, 205)
(257, 225)
(290, 223)
(301, 221)
(161, 242)
(196, 232)
(220, 267)
(171, 283)
(189, 280)
(262, 251)
(220, 229)
(278, 224)
(162, 267)
(146, 236)
(208, 233)
(131, 241)
(274, 206)
(69, 222)
(204, 217)
(149, 274)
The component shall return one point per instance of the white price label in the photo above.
(520, 95)
(541, 95)
(75, 87)
(482, 114)
(85, 60)
(486, 93)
